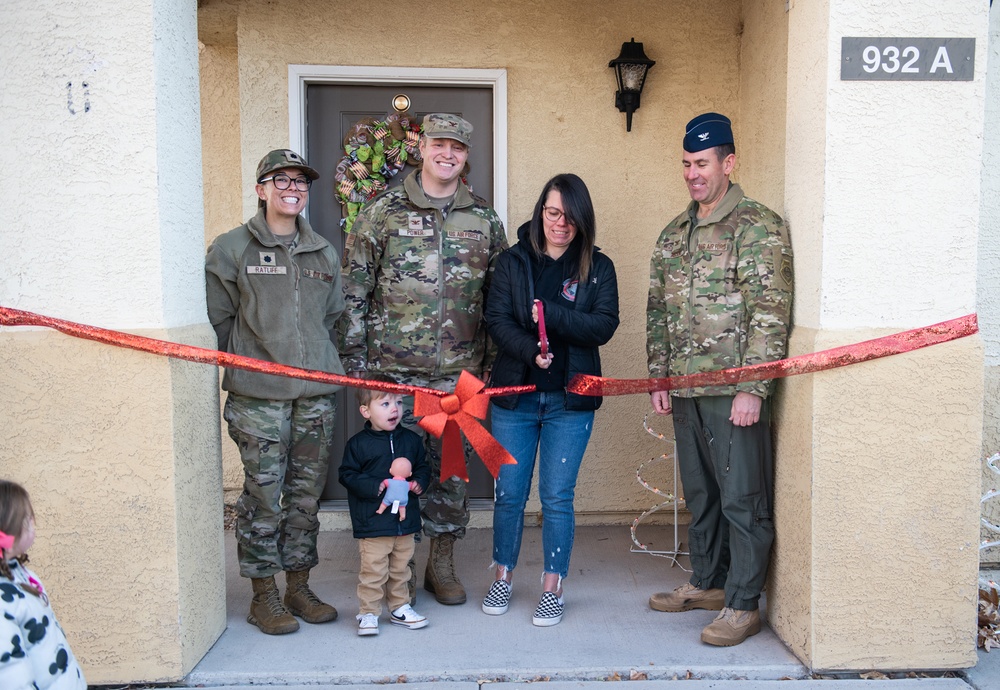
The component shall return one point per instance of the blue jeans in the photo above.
(539, 426)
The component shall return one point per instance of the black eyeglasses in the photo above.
(553, 214)
(283, 182)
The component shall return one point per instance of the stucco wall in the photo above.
(221, 163)
(102, 224)
(220, 108)
(877, 491)
(127, 490)
(762, 83)
(871, 510)
(988, 293)
(561, 117)
(910, 542)
(927, 201)
(790, 580)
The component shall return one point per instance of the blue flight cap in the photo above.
(706, 131)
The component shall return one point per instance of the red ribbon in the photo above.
(461, 409)
(444, 416)
(907, 341)
(478, 436)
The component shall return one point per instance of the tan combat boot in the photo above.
(731, 627)
(303, 602)
(687, 597)
(439, 578)
(266, 610)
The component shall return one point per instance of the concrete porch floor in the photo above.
(608, 632)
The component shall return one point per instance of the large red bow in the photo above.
(461, 410)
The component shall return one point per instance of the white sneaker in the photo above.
(408, 618)
(367, 624)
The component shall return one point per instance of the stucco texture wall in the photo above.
(916, 535)
(118, 449)
(763, 65)
(124, 484)
(988, 293)
(877, 474)
(561, 118)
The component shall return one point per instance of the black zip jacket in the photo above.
(584, 325)
(367, 457)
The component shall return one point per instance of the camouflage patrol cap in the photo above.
(447, 126)
(284, 158)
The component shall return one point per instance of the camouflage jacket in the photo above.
(273, 304)
(416, 281)
(720, 294)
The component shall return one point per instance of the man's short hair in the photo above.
(367, 395)
(723, 150)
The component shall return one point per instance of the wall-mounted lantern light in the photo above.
(631, 67)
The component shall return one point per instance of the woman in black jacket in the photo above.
(555, 262)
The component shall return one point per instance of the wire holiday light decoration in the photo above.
(991, 463)
(671, 499)
(989, 592)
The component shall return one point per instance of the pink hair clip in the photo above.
(6, 541)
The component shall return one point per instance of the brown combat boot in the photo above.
(439, 578)
(687, 597)
(303, 602)
(266, 610)
(731, 627)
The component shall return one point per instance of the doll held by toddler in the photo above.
(397, 489)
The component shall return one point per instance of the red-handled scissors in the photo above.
(543, 339)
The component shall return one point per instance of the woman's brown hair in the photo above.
(579, 210)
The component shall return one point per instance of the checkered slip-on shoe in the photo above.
(549, 610)
(498, 598)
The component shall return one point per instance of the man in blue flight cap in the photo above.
(720, 297)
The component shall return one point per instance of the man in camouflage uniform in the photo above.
(274, 293)
(720, 297)
(417, 267)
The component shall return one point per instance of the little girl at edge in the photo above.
(34, 654)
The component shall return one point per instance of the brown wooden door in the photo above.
(331, 109)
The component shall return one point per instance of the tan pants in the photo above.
(384, 559)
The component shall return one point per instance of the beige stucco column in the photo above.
(878, 475)
(102, 224)
(989, 280)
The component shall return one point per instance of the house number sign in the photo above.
(907, 59)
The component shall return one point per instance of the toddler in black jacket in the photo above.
(385, 540)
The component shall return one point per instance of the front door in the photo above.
(331, 110)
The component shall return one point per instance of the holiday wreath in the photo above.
(374, 152)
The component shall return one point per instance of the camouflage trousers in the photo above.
(444, 506)
(285, 448)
